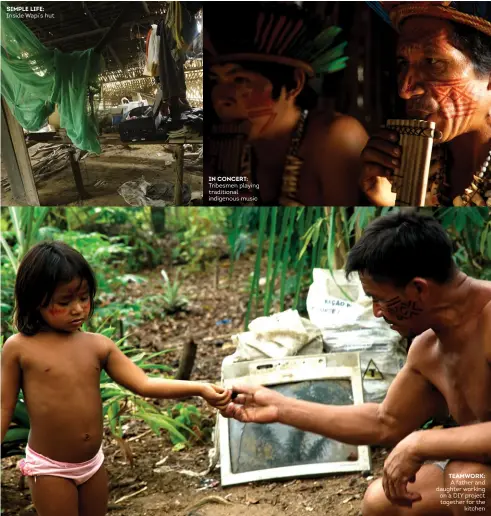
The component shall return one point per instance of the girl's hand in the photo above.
(216, 396)
(255, 404)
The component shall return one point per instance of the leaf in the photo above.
(179, 447)
(16, 434)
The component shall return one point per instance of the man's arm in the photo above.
(410, 401)
(11, 380)
(467, 443)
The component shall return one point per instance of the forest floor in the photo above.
(159, 477)
(102, 176)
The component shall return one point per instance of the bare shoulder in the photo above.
(423, 351)
(102, 344)
(14, 345)
(341, 129)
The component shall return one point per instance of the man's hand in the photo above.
(216, 396)
(254, 404)
(381, 158)
(400, 468)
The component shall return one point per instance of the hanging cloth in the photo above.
(35, 79)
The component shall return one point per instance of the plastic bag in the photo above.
(349, 325)
(277, 336)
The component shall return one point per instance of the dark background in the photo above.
(366, 88)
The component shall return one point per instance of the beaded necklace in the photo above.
(293, 165)
(477, 194)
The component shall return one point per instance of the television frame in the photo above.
(271, 372)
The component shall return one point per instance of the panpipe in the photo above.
(416, 141)
(226, 148)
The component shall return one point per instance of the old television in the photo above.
(252, 452)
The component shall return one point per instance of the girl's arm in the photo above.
(124, 372)
(11, 379)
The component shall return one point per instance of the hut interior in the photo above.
(48, 169)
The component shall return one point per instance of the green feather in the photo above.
(334, 66)
(320, 44)
(329, 56)
(326, 37)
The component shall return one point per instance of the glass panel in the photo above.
(255, 447)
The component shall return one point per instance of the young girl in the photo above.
(58, 367)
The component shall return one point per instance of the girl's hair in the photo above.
(42, 269)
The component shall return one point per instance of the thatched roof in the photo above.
(113, 90)
(81, 25)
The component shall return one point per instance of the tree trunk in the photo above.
(158, 220)
(186, 361)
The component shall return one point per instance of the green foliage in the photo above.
(198, 232)
(189, 417)
(172, 300)
(307, 238)
(470, 229)
(109, 256)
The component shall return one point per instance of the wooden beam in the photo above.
(112, 29)
(16, 158)
(145, 7)
(145, 19)
(95, 23)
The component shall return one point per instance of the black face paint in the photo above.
(402, 310)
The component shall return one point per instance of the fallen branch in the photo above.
(130, 495)
(204, 501)
(140, 436)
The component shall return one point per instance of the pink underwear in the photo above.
(35, 465)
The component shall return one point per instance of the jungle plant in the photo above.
(172, 300)
(292, 242)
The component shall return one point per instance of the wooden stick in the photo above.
(186, 361)
(130, 495)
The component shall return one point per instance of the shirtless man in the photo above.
(444, 61)
(270, 97)
(405, 265)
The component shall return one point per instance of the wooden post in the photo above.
(186, 360)
(83, 194)
(17, 161)
(179, 157)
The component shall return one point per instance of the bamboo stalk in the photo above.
(279, 254)
(306, 222)
(290, 215)
(269, 271)
(263, 218)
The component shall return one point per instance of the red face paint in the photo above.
(57, 311)
(456, 99)
(260, 105)
(243, 95)
(436, 79)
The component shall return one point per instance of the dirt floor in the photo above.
(104, 174)
(159, 481)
